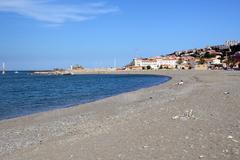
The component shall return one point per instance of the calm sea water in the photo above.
(23, 93)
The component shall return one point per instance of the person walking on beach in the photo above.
(180, 83)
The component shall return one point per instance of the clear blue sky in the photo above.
(44, 34)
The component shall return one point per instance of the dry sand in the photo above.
(196, 120)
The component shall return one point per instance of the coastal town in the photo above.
(119, 80)
(217, 57)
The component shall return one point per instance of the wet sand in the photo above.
(197, 120)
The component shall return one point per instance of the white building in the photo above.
(146, 62)
(232, 43)
(216, 60)
(168, 62)
(157, 62)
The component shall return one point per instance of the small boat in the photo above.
(67, 74)
(16, 72)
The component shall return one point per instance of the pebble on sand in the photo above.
(226, 93)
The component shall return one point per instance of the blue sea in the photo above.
(25, 93)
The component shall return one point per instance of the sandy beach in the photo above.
(197, 120)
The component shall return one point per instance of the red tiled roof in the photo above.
(150, 60)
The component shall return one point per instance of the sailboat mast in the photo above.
(115, 63)
(3, 68)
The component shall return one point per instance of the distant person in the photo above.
(180, 83)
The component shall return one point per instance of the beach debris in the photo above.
(234, 140)
(150, 97)
(201, 156)
(180, 83)
(226, 93)
(225, 151)
(175, 117)
(230, 137)
(145, 147)
(188, 114)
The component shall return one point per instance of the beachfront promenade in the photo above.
(197, 120)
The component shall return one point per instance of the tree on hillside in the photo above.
(179, 61)
(207, 55)
(231, 62)
(202, 61)
(149, 67)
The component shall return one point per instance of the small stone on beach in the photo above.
(187, 115)
(230, 137)
(145, 146)
(226, 93)
(201, 156)
(175, 117)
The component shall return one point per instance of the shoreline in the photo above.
(195, 120)
(94, 100)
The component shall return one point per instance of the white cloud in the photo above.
(47, 11)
